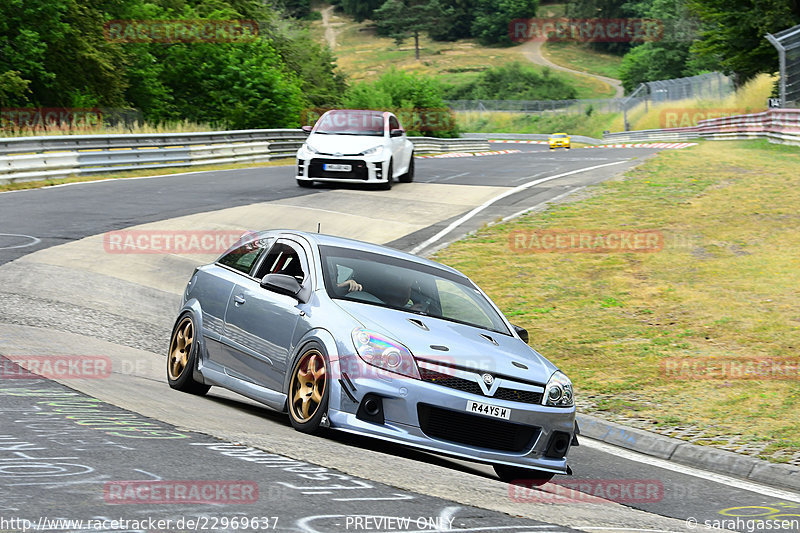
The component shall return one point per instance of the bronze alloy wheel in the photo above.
(180, 348)
(308, 387)
(182, 356)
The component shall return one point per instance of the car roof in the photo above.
(322, 239)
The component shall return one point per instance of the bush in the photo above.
(415, 98)
(513, 81)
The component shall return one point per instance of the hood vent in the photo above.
(419, 323)
(489, 338)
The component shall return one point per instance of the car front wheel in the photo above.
(182, 357)
(305, 183)
(389, 173)
(309, 389)
(408, 177)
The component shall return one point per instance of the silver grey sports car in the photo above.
(361, 338)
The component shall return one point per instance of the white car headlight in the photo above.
(373, 151)
(558, 392)
(307, 147)
(377, 350)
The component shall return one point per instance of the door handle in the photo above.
(239, 300)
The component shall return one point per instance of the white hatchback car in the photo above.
(355, 146)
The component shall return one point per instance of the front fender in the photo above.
(328, 343)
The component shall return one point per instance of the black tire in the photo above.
(305, 184)
(408, 177)
(305, 410)
(388, 185)
(181, 361)
(517, 475)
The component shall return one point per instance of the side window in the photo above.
(393, 124)
(282, 259)
(244, 257)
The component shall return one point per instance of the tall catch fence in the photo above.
(712, 86)
(787, 42)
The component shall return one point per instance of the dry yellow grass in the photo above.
(726, 285)
(750, 98)
(139, 127)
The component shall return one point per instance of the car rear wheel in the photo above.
(309, 390)
(517, 475)
(182, 358)
(408, 177)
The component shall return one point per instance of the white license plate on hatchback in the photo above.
(336, 167)
(488, 410)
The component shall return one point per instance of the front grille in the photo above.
(359, 169)
(522, 396)
(475, 430)
(465, 385)
(453, 382)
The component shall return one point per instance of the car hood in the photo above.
(467, 347)
(343, 144)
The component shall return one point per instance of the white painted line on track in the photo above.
(421, 246)
(34, 241)
(121, 178)
(690, 471)
(531, 208)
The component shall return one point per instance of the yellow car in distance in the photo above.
(558, 140)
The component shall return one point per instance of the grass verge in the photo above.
(16, 186)
(580, 57)
(510, 122)
(726, 285)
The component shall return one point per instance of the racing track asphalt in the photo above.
(46, 301)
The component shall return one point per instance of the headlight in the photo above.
(376, 350)
(373, 151)
(558, 392)
(307, 147)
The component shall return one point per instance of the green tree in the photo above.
(402, 19)
(733, 33)
(492, 18)
(670, 56)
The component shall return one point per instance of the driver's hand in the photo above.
(351, 285)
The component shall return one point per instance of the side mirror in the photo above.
(307, 129)
(283, 284)
(522, 332)
(397, 132)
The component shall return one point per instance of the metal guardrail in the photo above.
(777, 125)
(58, 156)
(529, 137)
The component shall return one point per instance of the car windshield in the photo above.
(559, 136)
(412, 287)
(350, 122)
